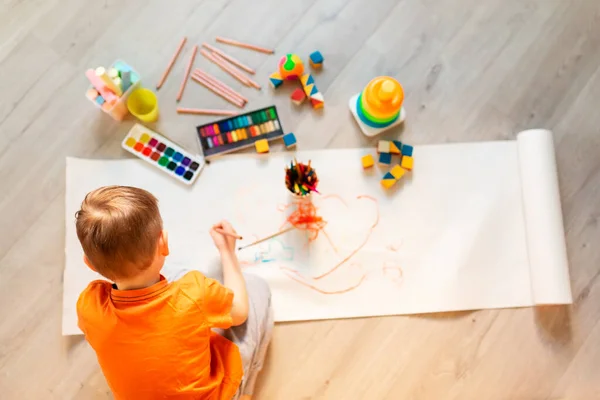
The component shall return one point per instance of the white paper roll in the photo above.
(543, 218)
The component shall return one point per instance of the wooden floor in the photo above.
(473, 70)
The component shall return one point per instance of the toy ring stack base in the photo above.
(369, 130)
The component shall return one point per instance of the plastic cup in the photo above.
(143, 105)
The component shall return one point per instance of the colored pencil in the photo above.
(226, 233)
(244, 45)
(200, 111)
(233, 100)
(171, 63)
(267, 238)
(229, 58)
(226, 68)
(188, 69)
(217, 82)
(223, 62)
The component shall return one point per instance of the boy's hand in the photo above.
(224, 242)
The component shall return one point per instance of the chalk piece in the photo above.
(99, 100)
(407, 162)
(367, 161)
(92, 94)
(298, 96)
(316, 59)
(397, 171)
(385, 158)
(125, 80)
(407, 150)
(289, 139)
(384, 146)
(262, 146)
(395, 147)
(113, 73)
(276, 79)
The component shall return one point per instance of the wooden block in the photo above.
(407, 150)
(308, 89)
(397, 172)
(385, 158)
(388, 180)
(262, 146)
(298, 97)
(276, 79)
(289, 139)
(307, 79)
(395, 147)
(316, 59)
(368, 161)
(383, 146)
(407, 162)
(317, 100)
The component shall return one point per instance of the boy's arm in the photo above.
(234, 280)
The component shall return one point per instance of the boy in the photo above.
(153, 338)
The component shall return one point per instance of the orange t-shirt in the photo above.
(157, 342)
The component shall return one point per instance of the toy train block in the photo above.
(262, 146)
(384, 146)
(407, 162)
(367, 161)
(397, 171)
(316, 59)
(407, 150)
(289, 139)
(298, 97)
(395, 147)
(385, 158)
(276, 79)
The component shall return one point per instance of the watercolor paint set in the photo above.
(239, 132)
(163, 154)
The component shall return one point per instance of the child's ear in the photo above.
(163, 243)
(88, 263)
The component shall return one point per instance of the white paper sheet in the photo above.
(452, 235)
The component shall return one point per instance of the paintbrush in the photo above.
(233, 235)
(267, 238)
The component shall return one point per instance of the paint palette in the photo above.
(163, 154)
(239, 132)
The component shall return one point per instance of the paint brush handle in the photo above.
(267, 238)
(231, 234)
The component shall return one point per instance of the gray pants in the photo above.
(254, 335)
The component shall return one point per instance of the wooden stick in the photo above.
(188, 69)
(223, 62)
(200, 111)
(217, 82)
(243, 45)
(267, 238)
(226, 233)
(229, 58)
(225, 67)
(233, 100)
(164, 75)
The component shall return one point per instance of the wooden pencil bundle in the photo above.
(227, 68)
(215, 89)
(244, 45)
(223, 63)
(229, 58)
(220, 84)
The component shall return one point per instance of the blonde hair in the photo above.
(119, 228)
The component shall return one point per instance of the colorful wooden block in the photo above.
(289, 139)
(388, 180)
(276, 79)
(367, 161)
(308, 89)
(397, 171)
(262, 146)
(407, 150)
(307, 79)
(298, 96)
(383, 146)
(395, 147)
(385, 158)
(316, 59)
(407, 162)
(317, 100)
